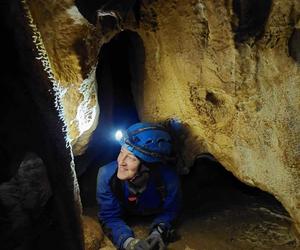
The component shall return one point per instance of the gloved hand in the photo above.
(167, 234)
(142, 245)
(155, 241)
(137, 244)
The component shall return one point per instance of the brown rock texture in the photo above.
(71, 48)
(238, 98)
(93, 234)
(240, 101)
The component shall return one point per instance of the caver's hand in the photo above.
(155, 241)
(137, 244)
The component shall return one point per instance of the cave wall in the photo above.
(236, 87)
(239, 99)
(71, 44)
(39, 199)
(229, 70)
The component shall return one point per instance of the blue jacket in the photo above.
(111, 209)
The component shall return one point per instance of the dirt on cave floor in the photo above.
(221, 218)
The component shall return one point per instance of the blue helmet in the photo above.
(150, 142)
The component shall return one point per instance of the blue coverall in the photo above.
(111, 209)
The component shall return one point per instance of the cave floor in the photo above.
(223, 218)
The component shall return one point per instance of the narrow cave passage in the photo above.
(219, 212)
(37, 213)
(118, 70)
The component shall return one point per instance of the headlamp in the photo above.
(119, 135)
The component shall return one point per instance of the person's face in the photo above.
(128, 165)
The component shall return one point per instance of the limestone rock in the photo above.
(93, 234)
(70, 44)
(240, 100)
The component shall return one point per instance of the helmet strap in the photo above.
(139, 183)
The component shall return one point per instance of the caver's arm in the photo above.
(110, 210)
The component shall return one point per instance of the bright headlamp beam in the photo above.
(118, 135)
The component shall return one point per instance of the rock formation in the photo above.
(229, 70)
(93, 234)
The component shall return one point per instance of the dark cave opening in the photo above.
(252, 16)
(209, 182)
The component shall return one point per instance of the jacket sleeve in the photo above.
(172, 202)
(110, 210)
